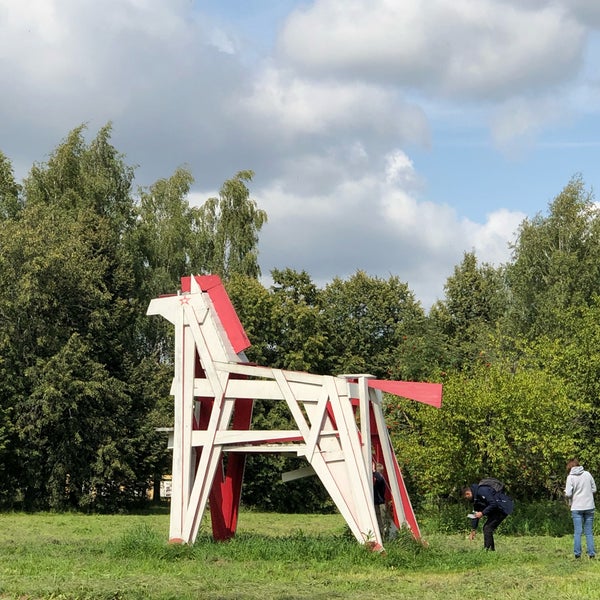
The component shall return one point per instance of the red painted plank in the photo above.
(428, 393)
(213, 285)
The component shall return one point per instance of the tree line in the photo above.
(85, 374)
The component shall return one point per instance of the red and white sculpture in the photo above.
(339, 424)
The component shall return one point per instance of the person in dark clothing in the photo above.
(379, 486)
(484, 505)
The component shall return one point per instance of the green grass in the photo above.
(284, 557)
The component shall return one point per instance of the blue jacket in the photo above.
(484, 498)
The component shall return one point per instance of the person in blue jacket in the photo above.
(484, 505)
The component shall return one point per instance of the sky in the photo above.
(385, 136)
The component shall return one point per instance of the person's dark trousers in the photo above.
(493, 520)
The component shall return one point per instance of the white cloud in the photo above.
(75, 44)
(464, 48)
(515, 123)
(294, 106)
(161, 72)
(491, 239)
(376, 223)
(586, 11)
(400, 169)
(330, 124)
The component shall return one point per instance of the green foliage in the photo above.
(544, 517)
(164, 246)
(301, 342)
(68, 339)
(166, 239)
(254, 306)
(85, 375)
(230, 226)
(514, 423)
(374, 326)
(91, 177)
(475, 300)
(537, 518)
(284, 323)
(575, 358)
(556, 263)
(10, 192)
(69, 427)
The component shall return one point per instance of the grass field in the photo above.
(284, 557)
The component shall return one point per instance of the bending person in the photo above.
(487, 502)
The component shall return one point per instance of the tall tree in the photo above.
(10, 199)
(301, 342)
(475, 300)
(575, 357)
(164, 245)
(163, 238)
(84, 374)
(10, 383)
(375, 326)
(231, 225)
(69, 339)
(556, 262)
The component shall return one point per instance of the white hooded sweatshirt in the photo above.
(580, 489)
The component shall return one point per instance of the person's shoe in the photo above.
(578, 556)
(591, 556)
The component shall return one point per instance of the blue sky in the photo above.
(385, 136)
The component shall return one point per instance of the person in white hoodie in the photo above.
(579, 490)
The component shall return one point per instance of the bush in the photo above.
(551, 517)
